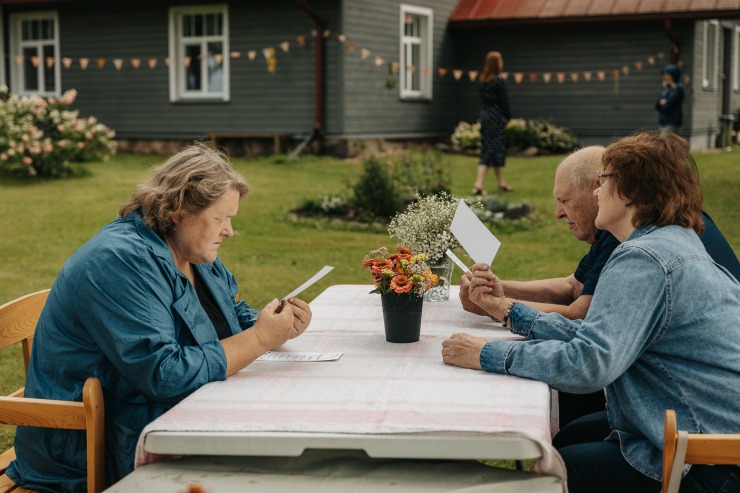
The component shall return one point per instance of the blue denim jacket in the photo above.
(662, 332)
(122, 312)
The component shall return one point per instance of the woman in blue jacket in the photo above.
(662, 331)
(147, 307)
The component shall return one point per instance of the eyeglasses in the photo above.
(603, 177)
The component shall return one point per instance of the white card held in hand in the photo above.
(473, 235)
(308, 283)
(457, 261)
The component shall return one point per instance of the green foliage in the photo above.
(375, 192)
(519, 134)
(427, 173)
(41, 137)
(466, 136)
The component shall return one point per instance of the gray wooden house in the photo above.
(350, 71)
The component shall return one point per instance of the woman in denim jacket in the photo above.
(662, 332)
(147, 307)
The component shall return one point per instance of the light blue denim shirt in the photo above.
(122, 312)
(662, 332)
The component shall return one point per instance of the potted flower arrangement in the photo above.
(401, 279)
(425, 227)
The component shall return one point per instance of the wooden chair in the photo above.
(681, 447)
(17, 324)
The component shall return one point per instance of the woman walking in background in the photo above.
(494, 114)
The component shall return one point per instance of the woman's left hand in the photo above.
(463, 350)
(301, 316)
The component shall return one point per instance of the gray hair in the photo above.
(585, 164)
(189, 181)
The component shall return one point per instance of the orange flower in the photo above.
(401, 284)
(404, 251)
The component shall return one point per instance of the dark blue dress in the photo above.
(494, 114)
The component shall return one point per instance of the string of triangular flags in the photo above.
(270, 55)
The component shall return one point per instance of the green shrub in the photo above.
(466, 136)
(374, 192)
(41, 137)
(427, 173)
(519, 134)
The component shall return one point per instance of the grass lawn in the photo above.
(44, 222)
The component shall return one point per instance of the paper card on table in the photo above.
(287, 356)
(473, 235)
(457, 261)
(308, 283)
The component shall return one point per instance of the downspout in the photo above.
(318, 125)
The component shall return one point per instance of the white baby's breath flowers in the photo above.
(425, 225)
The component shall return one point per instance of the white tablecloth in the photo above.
(375, 388)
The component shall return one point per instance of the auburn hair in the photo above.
(493, 66)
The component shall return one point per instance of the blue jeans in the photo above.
(596, 465)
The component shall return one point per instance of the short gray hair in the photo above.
(586, 163)
(189, 181)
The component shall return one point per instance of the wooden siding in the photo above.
(136, 102)
(370, 108)
(596, 111)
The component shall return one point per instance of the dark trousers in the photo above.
(597, 466)
(573, 406)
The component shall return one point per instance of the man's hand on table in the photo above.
(463, 350)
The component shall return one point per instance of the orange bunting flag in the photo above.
(364, 53)
(285, 46)
(313, 33)
(186, 61)
(351, 47)
(560, 76)
(651, 60)
(327, 33)
(411, 69)
(218, 58)
(457, 74)
(588, 76)
(615, 74)
(168, 61)
(84, 62)
(441, 71)
(118, 63)
(301, 40)
(252, 54)
(638, 65)
(18, 60)
(101, 63)
(67, 62)
(35, 61)
(341, 38)
(504, 75)
(235, 54)
(136, 63)
(660, 55)
(546, 77)
(472, 74)
(533, 77)
(574, 76)
(425, 71)
(378, 61)
(626, 70)
(49, 62)
(518, 77)
(268, 53)
(601, 75)
(394, 67)
(152, 63)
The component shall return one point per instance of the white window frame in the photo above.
(426, 41)
(709, 81)
(736, 58)
(17, 76)
(177, 55)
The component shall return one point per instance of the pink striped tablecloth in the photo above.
(375, 388)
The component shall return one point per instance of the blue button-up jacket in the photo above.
(662, 332)
(122, 312)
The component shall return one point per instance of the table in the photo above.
(391, 400)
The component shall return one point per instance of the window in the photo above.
(736, 59)
(711, 40)
(416, 52)
(34, 48)
(199, 48)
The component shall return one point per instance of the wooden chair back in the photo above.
(17, 324)
(681, 447)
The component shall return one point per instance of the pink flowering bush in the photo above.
(41, 137)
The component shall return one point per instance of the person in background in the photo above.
(494, 115)
(571, 296)
(670, 113)
(651, 337)
(148, 308)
